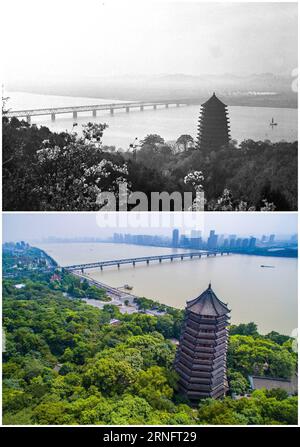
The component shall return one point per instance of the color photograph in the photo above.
(125, 326)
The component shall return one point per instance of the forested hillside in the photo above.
(64, 363)
(43, 170)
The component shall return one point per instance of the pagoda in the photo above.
(213, 128)
(201, 356)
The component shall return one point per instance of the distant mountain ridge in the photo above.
(265, 89)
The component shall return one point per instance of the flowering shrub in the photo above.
(67, 172)
(194, 179)
(43, 170)
(226, 203)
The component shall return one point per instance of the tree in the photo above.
(153, 386)
(65, 365)
(152, 140)
(52, 413)
(244, 329)
(237, 383)
(110, 376)
(130, 410)
(260, 356)
(48, 171)
(184, 140)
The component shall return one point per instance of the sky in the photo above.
(63, 38)
(37, 226)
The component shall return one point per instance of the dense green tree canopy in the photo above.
(65, 364)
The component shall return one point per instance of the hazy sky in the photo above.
(110, 37)
(33, 226)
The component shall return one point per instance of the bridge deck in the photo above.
(87, 108)
(141, 259)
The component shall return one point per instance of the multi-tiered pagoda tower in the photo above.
(201, 355)
(213, 128)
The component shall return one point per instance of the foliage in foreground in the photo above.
(43, 170)
(65, 364)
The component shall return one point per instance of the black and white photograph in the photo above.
(194, 101)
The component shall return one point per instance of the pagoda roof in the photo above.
(208, 304)
(213, 101)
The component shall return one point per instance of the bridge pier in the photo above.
(127, 109)
(199, 256)
(142, 108)
(177, 104)
(74, 115)
(167, 106)
(111, 111)
(147, 261)
(181, 257)
(94, 113)
(52, 116)
(160, 260)
(82, 271)
(28, 118)
(154, 107)
(118, 266)
(171, 259)
(133, 263)
(101, 268)
(191, 256)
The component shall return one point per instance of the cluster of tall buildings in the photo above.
(213, 241)
(196, 241)
(141, 239)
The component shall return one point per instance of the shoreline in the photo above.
(232, 101)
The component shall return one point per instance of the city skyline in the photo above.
(33, 227)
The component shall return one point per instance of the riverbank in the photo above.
(127, 303)
(250, 290)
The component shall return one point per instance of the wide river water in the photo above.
(245, 122)
(267, 296)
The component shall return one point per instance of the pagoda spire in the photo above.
(201, 356)
(213, 127)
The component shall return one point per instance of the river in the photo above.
(267, 296)
(246, 122)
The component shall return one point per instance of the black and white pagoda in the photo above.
(201, 355)
(213, 127)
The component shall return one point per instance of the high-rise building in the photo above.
(294, 238)
(201, 355)
(271, 238)
(196, 239)
(195, 234)
(245, 243)
(175, 238)
(232, 243)
(212, 241)
(213, 128)
(252, 242)
(221, 240)
(184, 241)
(196, 243)
(238, 242)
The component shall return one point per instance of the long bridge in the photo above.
(53, 111)
(147, 259)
